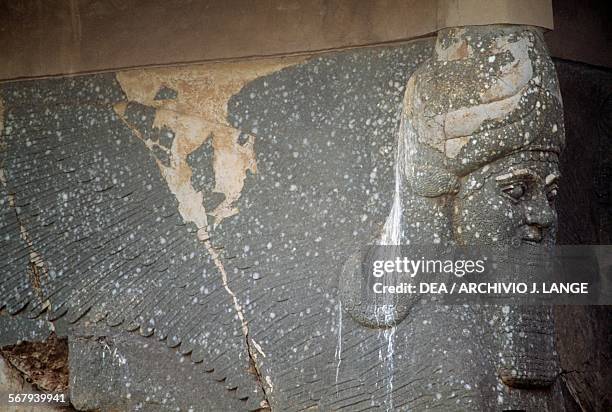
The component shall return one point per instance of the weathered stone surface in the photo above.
(325, 136)
(218, 219)
(166, 93)
(85, 201)
(506, 111)
(111, 370)
(428, 359)
(14, 330)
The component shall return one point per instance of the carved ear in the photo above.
(433, 181)
(370, 309)
(427, 175)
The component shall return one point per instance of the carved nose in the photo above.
(532, 233)
(539, 216)
(538, 213)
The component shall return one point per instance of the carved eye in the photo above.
(551, 194)
(515, 191)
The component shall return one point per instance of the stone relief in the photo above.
(254, 316)
(477, 164)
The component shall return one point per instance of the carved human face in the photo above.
(509, 201)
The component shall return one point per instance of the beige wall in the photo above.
(51, 37)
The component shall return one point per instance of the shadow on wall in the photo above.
(584, 341)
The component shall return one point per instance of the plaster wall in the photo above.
(54, 37)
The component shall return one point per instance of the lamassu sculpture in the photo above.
(478, 152)
(125, 277)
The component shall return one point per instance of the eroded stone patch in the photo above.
(44, 364)
(196, 112)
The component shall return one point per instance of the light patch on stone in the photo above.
(449, 132)
(459, 49)
(514, 75)
(269, 382)
(505, 176)
(258, 347)
(198, 112)
(550, 178)
(515, 173)
(452, 147)
(467, 120)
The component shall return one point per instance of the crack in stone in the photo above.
(37, 266)
(197, 215)
(198, 112)
(34, 258)
(251, 347)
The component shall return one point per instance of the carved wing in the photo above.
(142, 204)
(91, 231)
